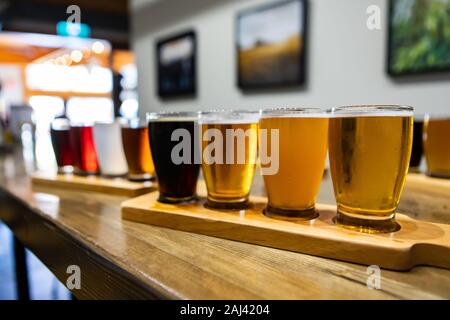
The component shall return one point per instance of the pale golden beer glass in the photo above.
(229, 149)
(370, 148)
(436, 144)
(302, 150)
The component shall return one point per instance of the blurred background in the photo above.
(84, 59)
(51, 66)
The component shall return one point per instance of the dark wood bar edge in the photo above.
(103, 279)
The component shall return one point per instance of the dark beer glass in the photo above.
(85, 155)
(417, 145)
(59, 133)
(174, 145)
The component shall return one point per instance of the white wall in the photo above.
(346, 61)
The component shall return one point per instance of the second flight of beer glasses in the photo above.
(369, 148)
(175, 151)
(107, 137)
(302, 140)
(136, 146)
(436, 145)
(85, 155)
(229, 149)
(64, 155)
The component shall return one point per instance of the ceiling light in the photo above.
(98, 47)
(76, 56)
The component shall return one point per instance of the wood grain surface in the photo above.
(416, 243)
(117, 186)
(426, 198)
(124, 259)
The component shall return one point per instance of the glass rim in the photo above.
(172, 116)
(294, 112)
(420, 117)
(373, 110)
(436, 116)
(60, 124)
(229, 116)
(105, 123)
(133, 123)
(81, 124)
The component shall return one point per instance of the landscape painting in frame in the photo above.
(419, 36)
(176, 65)
(271, 45)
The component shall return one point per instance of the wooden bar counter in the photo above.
(121, 259)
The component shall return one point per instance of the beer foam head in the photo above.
(294, 113)
(60, 124)
(436, 117)
(372, 111)
(133, 123)
(224, 116)
(171, 116)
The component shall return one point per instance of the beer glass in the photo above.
(229, 144)
(59, 133)
(302, 149)
(85, 155)
(370, 148)
(175, 150)
(417, 145)
(436, 145)
(108, 144)
(136, 146)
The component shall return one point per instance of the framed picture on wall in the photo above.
(176, 65)
(419, 36)
(270, 43)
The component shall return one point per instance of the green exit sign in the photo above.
(70, 29)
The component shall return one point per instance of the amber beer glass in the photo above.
(436, 145)
(229, 149)
(136, 147)
(370, 148)
(303, 140)
(172, 135)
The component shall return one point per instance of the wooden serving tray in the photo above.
(417, 243)
(116, 186)
(423, 183)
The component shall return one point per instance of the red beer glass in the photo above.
(85, 155)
